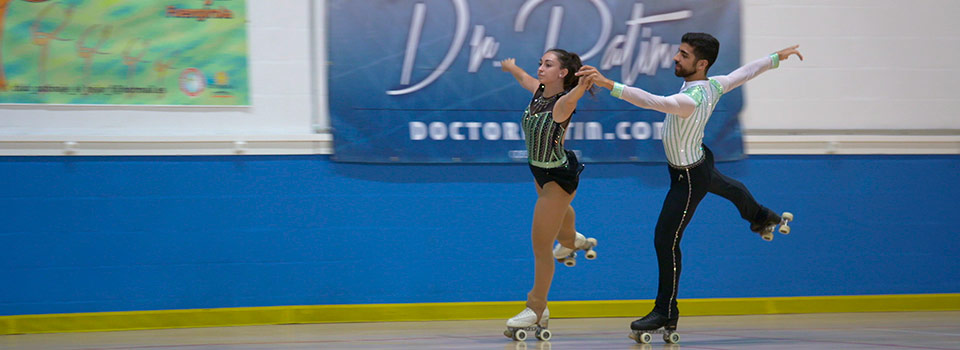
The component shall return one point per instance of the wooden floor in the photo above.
(902, 330)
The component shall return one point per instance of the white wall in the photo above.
(869, 64)
(874, 70)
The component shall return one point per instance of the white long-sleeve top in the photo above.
(689, 110)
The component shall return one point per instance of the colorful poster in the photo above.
(121, 52)
(417, 81)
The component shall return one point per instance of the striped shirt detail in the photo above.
(683, 137)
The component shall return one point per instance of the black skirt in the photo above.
(567, 175)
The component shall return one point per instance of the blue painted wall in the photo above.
(90, 234)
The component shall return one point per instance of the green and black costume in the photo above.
(549, 161)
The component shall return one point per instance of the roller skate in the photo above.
(568, 256)
(642, 330)
(766, 228)
(526, 321)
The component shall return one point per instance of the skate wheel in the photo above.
(767, 237)
(645, 338)
(787, 216)
(520, 335)
(570, 262)
(784, 229)
(671, 338)
(591, 254)
(544, 335)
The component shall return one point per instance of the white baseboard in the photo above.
(755, 143)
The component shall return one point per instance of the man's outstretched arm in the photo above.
(679, 104)
(751, 70)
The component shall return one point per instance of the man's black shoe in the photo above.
(653, 321)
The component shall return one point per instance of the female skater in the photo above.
(557, 174)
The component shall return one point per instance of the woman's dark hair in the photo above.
(572, 63)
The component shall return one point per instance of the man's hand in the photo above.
(785, 53)
(587, 82)
(593, 75)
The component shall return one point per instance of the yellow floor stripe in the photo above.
(133, 320)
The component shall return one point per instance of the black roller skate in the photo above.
(642, 330)
(766, 227)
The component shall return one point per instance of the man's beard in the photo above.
(678, 71)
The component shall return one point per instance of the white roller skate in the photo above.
(568, 256)
(526, 321)
(785, 219)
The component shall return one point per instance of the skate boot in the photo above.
(642, 330)
(766, 228)
(568, 256)
(526, 321)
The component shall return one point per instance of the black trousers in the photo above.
(687, 188)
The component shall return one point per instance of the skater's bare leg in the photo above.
(568, 230)
(548, 215)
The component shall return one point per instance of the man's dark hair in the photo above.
(705, 46)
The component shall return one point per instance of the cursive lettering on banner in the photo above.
(636, 52)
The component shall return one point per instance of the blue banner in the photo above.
(417, 81)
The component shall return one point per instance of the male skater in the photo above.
(692, 172)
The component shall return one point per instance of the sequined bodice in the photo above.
(544, 136)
